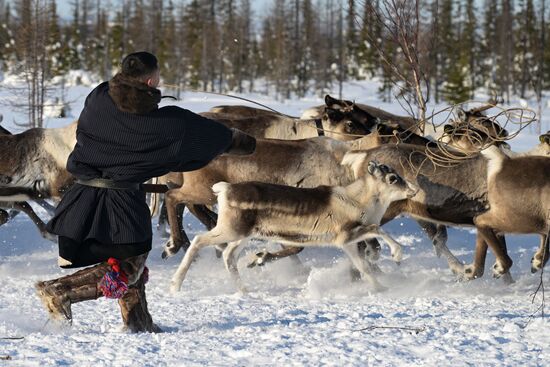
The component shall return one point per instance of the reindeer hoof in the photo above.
(465, 272)
(170, 248)
(258, 259)
(397, 255)
(49, 236)
(175, 286)
(536, 265)
(498, 270)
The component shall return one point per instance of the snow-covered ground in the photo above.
(310, 315)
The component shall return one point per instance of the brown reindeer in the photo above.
(268, 126)
(239, 111)
(32, 167)
(340, 216)
(452, 195)
(519, 202)
(32, 164)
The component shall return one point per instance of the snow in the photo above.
(309, 314)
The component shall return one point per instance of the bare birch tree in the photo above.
(402, 27)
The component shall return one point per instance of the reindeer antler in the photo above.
(490, 104)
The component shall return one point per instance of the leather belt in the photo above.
(104, 183)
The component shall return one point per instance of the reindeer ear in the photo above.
(329, 101)
(333, 102)
(356, 160)
(545, 139)
(461, 114)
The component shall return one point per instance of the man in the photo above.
(124, 139)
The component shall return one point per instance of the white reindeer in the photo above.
(323, 216)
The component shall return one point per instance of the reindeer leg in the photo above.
(4, 217)
(503, 261)
(229, 258)
(200, 241)
(359, 262)
(265, 257)
(188, 195)
(438, 234)
(179, 237)
(370, 250)
(27, 209)
(163, 218)
(209, 219)
(476, 270)
(541, 256)
(366, 232)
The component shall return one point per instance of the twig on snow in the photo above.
(372, 327)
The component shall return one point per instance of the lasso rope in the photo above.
(443, 154)
(296, 120)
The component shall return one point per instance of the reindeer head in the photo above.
(473, 136)
(389, 182)
(347, 118)
(545, 138)
(544, 146)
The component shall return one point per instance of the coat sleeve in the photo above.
(203, 140)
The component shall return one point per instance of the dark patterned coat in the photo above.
(122, 135)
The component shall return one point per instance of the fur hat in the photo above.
(133, 96)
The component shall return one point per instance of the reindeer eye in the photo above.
(392, 179)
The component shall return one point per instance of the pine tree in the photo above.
(192, 39)
(7, 42)
(470, 47)
(58, 62)
(352, 48)
(526, 46)
(167, 47)
(489, 44)
(116, 45)
(370, 40)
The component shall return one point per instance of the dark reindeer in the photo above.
(406, 123)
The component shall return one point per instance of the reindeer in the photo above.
(33, 167)
(239, 111)
(267, 126)
(33, 163)
(519, 202)
(453, 194)
(406, 123)
(338, 216)
(273, 126)
(483, 138)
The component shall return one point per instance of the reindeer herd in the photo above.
(329, 178)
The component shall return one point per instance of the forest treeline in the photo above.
(293, 48)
